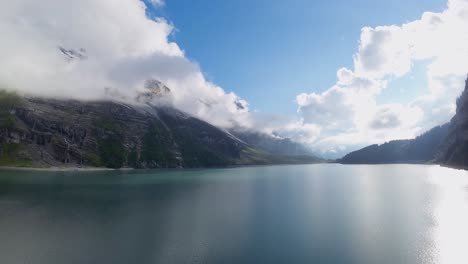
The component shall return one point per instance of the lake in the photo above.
(326, 213)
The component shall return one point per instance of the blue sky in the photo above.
(268, 52)
(334, 75)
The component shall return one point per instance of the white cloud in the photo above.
(383, 51)
(78, 49)
(344, 107)
(395, 116)
(157, 3)
(89, 49)
(348, 113)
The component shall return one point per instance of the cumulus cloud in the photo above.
(282, 126)
(383, 51)
(89, 49)
(344, 107)
(349, 114)
(385, 118)
(395, 116)
(93, 49)
(157, 3)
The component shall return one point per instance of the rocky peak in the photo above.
(153, 89)
(73, 54)
(462, 101)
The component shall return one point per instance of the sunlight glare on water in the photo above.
(451, 215)
(329, 213)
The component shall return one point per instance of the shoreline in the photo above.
(98, 169)
(64, 169)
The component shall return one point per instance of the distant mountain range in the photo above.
(446, 145)
(41, 132)
(48, 132)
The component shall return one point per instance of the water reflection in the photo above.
(451, 215)
(281, 214)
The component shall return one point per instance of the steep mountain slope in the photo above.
(47, 132)
(454, 151)
(422, 149)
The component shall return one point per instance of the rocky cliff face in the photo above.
(110, 134)
(454, 151)
(47, 132)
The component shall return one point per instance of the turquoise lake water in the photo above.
(325, 213)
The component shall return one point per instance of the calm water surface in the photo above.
(279, 214)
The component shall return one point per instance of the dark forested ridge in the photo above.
(454, 151)
(422, 149)
(446, 145)
(48, 132)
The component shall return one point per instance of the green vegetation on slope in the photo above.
(156, 147)
(7, 103)
(111, 150)
(10, 155)
(53, 132)
(422, 149)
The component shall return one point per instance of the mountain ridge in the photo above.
(51, 132)
(422, 149)
(446, 145)
(454, 151)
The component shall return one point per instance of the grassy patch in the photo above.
(92, 159)
(7, 120)
(112, 151)
(132, 159)
(9, 100)
(9, 156)
(107, 123)
(110, 144)
(156, 147)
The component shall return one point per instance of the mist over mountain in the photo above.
(54, 50)
(272, 144)
(51, 132)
